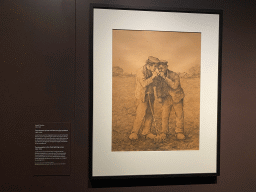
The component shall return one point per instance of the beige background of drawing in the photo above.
(131, 49)
(107, 163)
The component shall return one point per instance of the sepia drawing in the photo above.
(155, 90)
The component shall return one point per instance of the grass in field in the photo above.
(124, 111)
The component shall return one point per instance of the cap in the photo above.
(163, 62)
(152, 60)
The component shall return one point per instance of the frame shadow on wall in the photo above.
(150, 181)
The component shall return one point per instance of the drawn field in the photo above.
(124, 111)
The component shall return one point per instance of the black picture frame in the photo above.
(108, 180)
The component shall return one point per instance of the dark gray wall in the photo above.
(44, 77)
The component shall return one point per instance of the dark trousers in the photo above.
(162, 115)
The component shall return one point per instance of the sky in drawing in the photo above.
(131, 49)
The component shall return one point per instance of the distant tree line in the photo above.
(118, 71)
(192, 72)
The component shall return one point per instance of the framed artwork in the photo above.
(155, 91)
